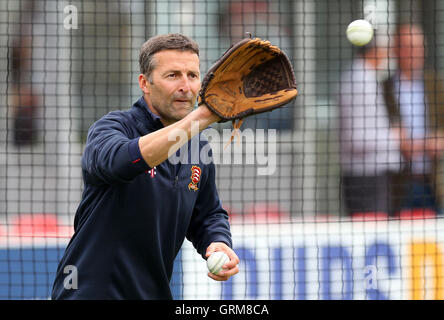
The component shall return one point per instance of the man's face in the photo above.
(174, 84)
(411, 49)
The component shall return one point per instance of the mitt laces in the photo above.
(235, 132)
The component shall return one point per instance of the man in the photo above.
(415, 101)
(138, 207)
(369, 145)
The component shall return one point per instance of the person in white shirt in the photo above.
(415, 102)
(370, 147)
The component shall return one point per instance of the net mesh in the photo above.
(334, 196)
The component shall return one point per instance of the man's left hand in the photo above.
(230, 268)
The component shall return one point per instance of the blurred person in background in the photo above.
(24, 99)
(370, 148)
(415, 102)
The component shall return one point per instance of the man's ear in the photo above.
(144, 84)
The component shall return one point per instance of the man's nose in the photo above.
(185, 85)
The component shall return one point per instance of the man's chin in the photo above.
(180, 114)
(185, 110)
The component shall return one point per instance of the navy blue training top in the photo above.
(132, 219)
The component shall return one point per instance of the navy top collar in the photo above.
(148, 115)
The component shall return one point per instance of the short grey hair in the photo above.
(172, 41)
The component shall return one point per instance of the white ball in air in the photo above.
(359, 32)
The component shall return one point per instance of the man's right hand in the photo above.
(208, 114)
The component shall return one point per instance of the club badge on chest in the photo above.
(195, 178)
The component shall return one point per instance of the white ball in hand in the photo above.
(216, 261)
(359, 32)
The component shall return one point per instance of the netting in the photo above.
(334, 196)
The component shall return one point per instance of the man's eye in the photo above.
(171, 75)
(194, 76)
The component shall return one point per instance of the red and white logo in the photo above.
(195, 178)
(152, 172)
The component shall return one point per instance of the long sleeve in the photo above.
(110, 155)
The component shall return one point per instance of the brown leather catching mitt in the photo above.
(251, 77)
